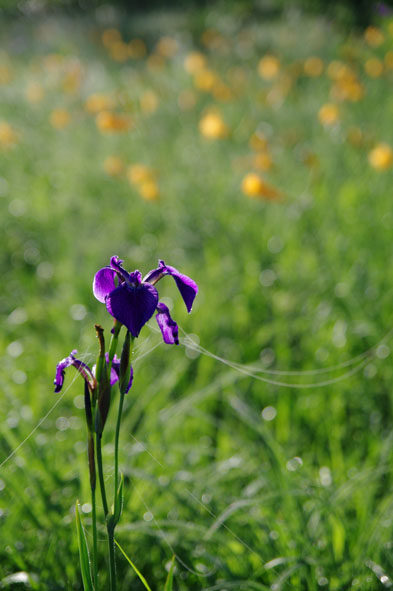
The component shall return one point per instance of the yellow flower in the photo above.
(313, 67)
(60, 118)
(119, 51)
(221, 92)
(255, 187)
(109, 122)
(381, 157)
(269, 67)
(212, 126)
(8, 136)
(98, 102)
(5, 74)
(149, 102)
(263, 161)
(113, 165)
(373, 67)
(205, 80)
(110, 36)
(258, 141)
(139, 173)
(167, 47)
(328, 114)
(155, 62)
(194, 62)
(34, 92)
(73, 77)
(388, 59)
(373, 36)
(136, 48)
(149, 190)
(186, 100)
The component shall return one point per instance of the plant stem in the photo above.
(101, 475)
(95, 547)
(117, 435)
(112, 565)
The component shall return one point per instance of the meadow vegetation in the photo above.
(256, 156)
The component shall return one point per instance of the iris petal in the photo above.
(169, 328)
(187, 287)
(132, 306)
(104, 283)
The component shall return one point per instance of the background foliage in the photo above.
(212, 142)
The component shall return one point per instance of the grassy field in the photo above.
(255, 156)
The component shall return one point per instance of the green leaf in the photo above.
(119, 500)
(83, 552)
(169, 579)
(141, 577)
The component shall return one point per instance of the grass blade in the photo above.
(83, 552)
(169, 579)
(141, 577)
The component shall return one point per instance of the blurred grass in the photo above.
(300, 499)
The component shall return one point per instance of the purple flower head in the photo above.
(83, 369)
(133, 300)
(115, 371)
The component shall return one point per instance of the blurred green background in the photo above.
(250, 146)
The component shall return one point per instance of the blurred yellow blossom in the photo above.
(205, 80)
(8, 136)
(373, 67)
(381, 157)
(136, 48)
(313, 66)
(355, 136)
(149, 102)
(113, 165)
(119, 51)
(388, 59)
(72, 77)
(167, 47)
(269, 67)
(258, 141)
(373, 36)
(99, 102)
(187, 99)
(255, 187)
(59, 118)
(155, 62)
(263, 161)
(212, 125)
(109, 122)
(143, 177)
(5, 74)
(328, 114)
(110, 36)
(139, 173)
(149, 190)
(194, 62)
(34, 92)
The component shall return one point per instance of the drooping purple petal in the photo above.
(116, 264)
(132, 306)
(187, 287)
(82, 368)
(169, 328)
(60, 371)
(115, 372)
(104, 283)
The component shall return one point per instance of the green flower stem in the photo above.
(117, 435)
(112, 564)
(95, 546)
(101, 474)
(113, 344)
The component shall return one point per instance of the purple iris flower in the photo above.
(83, 369)
(115, 371)
(134, 300)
